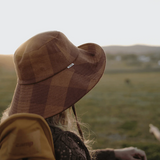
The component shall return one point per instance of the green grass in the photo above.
(7, 85)
(118, 113)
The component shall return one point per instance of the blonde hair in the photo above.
(5, 115)
(65, 121)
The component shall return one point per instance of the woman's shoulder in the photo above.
(67, 137)
(68, 144)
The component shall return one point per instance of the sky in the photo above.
(105, 22)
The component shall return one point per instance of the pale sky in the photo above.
(105, 22)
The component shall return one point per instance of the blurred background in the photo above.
(120, 108)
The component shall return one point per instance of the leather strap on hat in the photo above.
(78, 126)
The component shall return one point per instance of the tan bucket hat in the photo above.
(53, 74)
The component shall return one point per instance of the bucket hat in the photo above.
(53, 74)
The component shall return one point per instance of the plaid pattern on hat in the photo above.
(53, 74)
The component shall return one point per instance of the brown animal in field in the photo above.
(127, 81)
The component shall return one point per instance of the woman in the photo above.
(53, 75)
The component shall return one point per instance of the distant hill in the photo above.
(135, 49)
(6, 62)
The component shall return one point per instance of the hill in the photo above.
(135, 49)
(6, 61)
(129, 55)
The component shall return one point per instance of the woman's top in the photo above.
(68, 146)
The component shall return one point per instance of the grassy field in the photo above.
(118, 113)
(7, 85)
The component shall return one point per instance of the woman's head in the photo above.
(53, 74)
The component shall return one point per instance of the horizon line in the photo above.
(113, 45)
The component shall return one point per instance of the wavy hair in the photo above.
(5, 115)
(67, 122)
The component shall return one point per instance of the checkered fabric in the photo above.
(53, 74)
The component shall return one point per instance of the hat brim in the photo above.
(57, 93)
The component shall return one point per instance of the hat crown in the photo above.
(43, 56)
